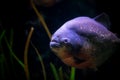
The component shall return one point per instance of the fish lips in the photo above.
(54, 44)
(57, 44)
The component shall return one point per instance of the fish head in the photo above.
(66, 41)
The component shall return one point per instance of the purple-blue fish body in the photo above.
(84, 42)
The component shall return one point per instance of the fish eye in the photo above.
(65, 40)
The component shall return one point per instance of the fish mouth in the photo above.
(55, 44)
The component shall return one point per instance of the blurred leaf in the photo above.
(41, 61)
(3, 66)
(2, 35)
(12, 53)
(11, 37)
(72, 75)
(61, 73)
(55, 73)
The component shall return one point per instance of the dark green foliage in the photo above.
(8, 58)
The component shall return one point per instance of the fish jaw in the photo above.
(87, 64)
(54, 45)
(68, 58)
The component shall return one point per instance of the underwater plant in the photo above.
(58, 74)
(5, 70)
(7, 57)
(41, 19)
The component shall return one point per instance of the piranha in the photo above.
(84, 42)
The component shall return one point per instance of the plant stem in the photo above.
(26, 54)
(72, 75)
(41, 61)
(41, 19)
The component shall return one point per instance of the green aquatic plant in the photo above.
(41, 61)
(2, 56)
(72, 74)
(9, 45)
(58, 74)
(13, 54)
(55, 73)
(2, 35)
(7, 63)
(61, 73)
(41, 19)
(2, 64)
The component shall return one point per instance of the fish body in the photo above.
(84, 42)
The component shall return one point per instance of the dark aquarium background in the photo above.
(16, 19)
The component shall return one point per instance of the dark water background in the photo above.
(20, 16)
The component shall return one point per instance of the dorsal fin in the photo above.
(103, 18)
